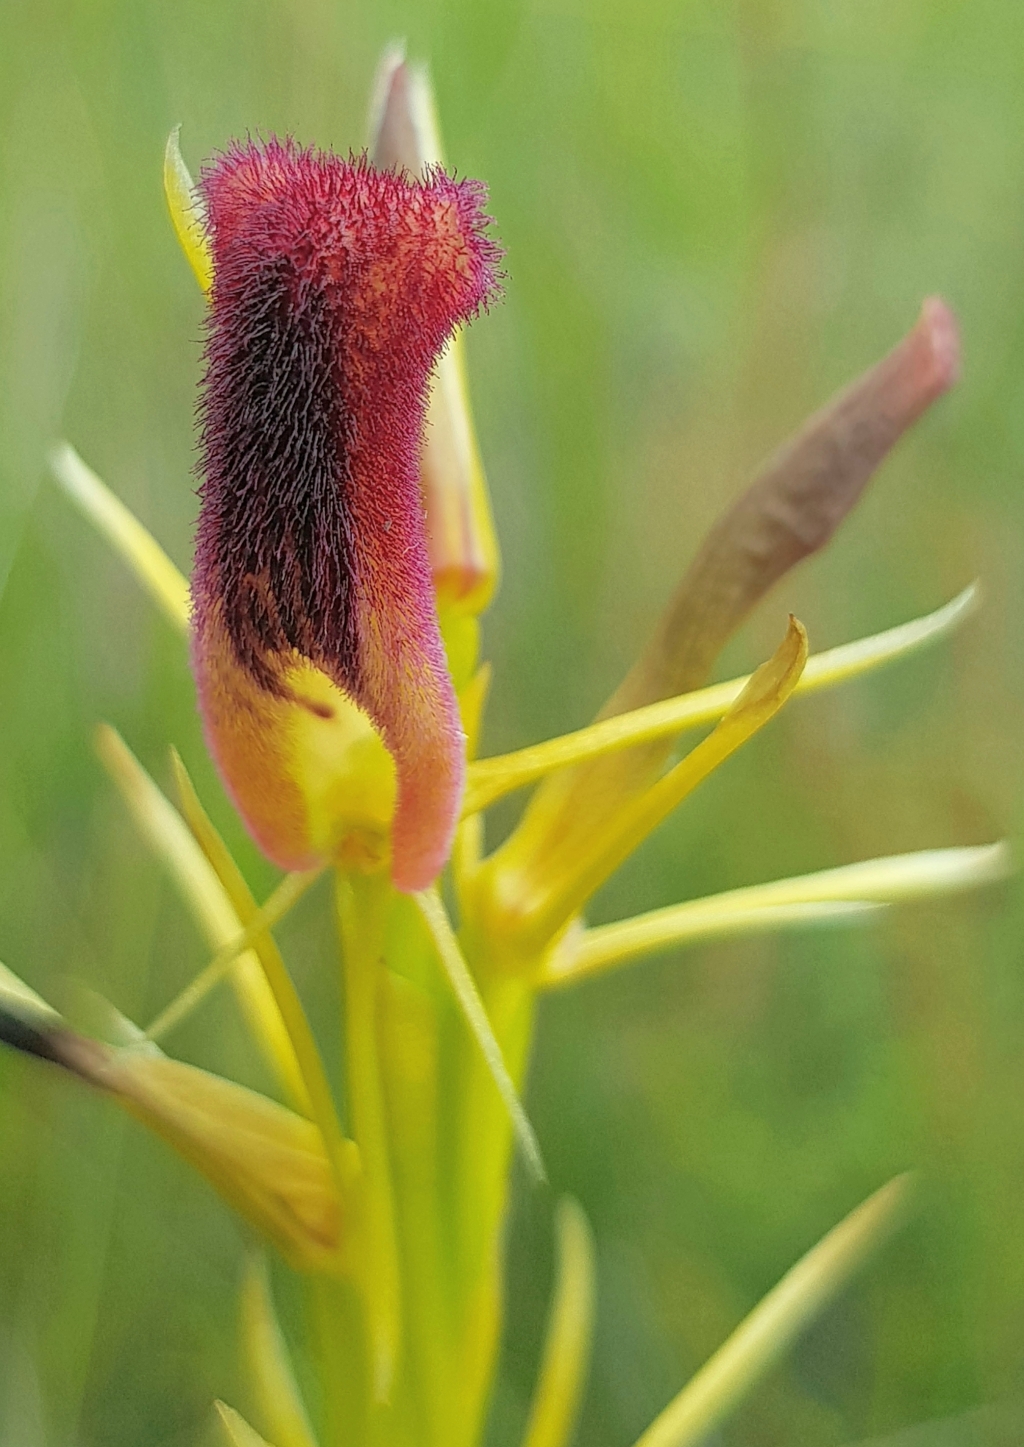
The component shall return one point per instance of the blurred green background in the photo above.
(714, 214)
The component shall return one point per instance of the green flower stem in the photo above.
(410, 1061)
(362, 902)
(482, 1142)
(335, 1314)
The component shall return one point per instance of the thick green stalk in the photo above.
(335, 1314)
(363, 902)
(410, 1048)
(482, 1141)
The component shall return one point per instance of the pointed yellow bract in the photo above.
(187, 212)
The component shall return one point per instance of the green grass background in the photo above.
(714, 214)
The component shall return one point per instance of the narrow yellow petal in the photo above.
(593, 951)
(152, 567)
(775, 1323)
(266, 1354)
(187, 212)
(566, 1357)
(490, 779)
(237, 1431)
(888, 880)
(849, 894)
(468, 996)
(536, 886)
(203, 894)
(849, 660)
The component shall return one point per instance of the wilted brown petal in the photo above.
(792, 508)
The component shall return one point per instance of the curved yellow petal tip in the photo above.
(764, 1336)
(187, 212)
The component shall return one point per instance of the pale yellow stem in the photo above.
(281, 902)
(362, 902)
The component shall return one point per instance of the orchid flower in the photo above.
(344, 554)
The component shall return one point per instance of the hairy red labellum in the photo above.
(335, 288)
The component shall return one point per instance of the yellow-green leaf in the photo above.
(775, 1323)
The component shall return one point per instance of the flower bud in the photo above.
(461, 540)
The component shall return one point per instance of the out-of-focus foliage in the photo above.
(714, 214)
